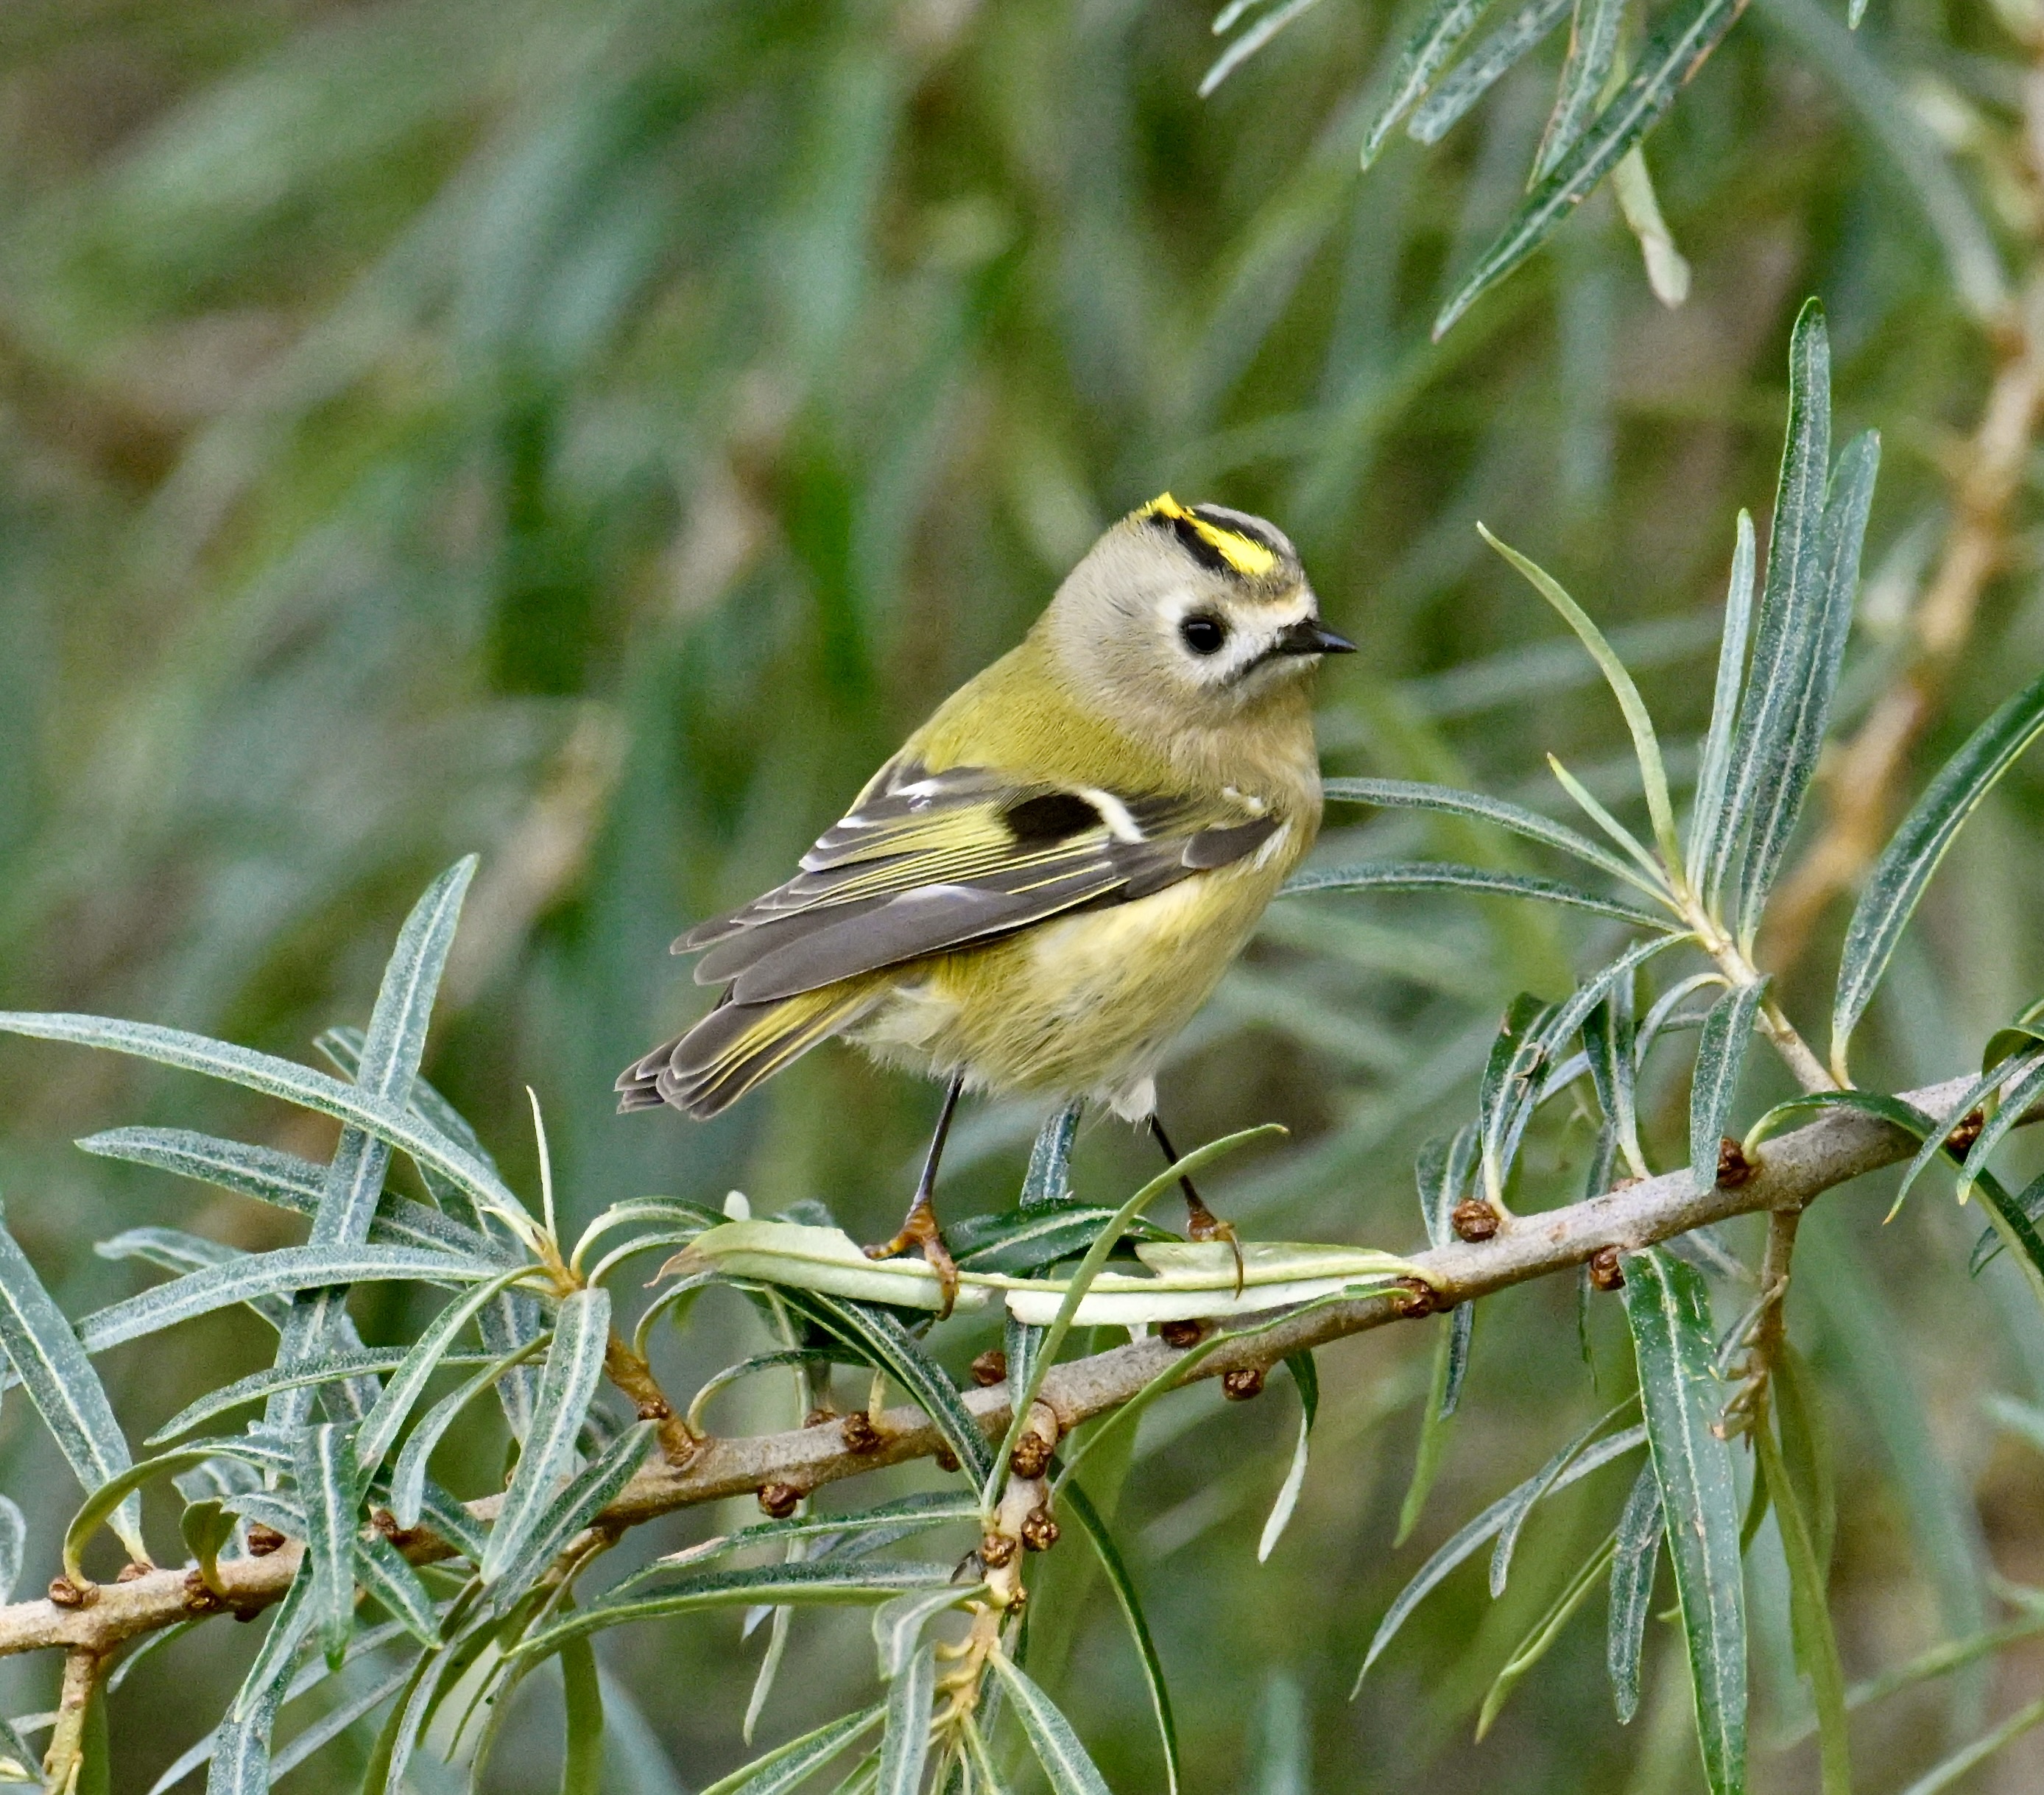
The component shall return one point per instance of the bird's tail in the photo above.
(737, 1046)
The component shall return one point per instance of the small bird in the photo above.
(1035, 894)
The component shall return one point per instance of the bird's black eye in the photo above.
(1203, 634)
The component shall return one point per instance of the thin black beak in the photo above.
(1307, 637)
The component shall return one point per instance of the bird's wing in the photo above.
(931, 862)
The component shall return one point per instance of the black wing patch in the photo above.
(932, 863)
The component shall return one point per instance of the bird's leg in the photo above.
(918, 1227)
(1201, 1223)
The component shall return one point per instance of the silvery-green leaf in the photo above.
(904, 1746)
(1720, 1053)
(898, 1626)
(1484, 1526)
(408, 1476)
(284, 1180)
(1439, 34)
(891, 1348)
(381, 1427)
(19, 1761)
(1679, 48)
(117, 1495)
(1478, 72)
(337, 1720)
(291, 1620)
(1301, 1366)
(1443, 875)
(1669, 1311)
(1047, 1182)
(382, 1570)
(567, 1382)
(50, 1362)
(1608, 1042)
(172, 1249)
(1506, 1092)
(327, 1369)
(13, 1539)
(1820, 614)
(787, 1765)
(1711, 820)
(802, 1585)
(1066, 1764)
(1412, 795)
(909, 1515)
(589, 1493)
(353, 1182)
(1521, 1502)
(1889, 899)
(451, 1521)
(1645, 745)
(1073, 1501)
(329, 1491)
(285, 1079)
(207, 1528)
(1791, 599)
(262, 1274)
(1640, 1530)
(1252, 41)
(1592, 53)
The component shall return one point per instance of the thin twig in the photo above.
(1796, 1167)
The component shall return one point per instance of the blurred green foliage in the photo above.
(592, 433)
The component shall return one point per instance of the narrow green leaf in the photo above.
(1047, 1182)
(1895, 885)
(898, 1626)
(581, 1759)
(1069, 1770)
(1712, 820)
(291, 1620)
(825, 1580)
(383, 1572)
(1586, 802)
(904, 1746)
(1541, 1636)
(1409, 795)
(1679, 48)
(381, 1427)
(1669, 1311)
(289, 1080)
(891, 1348)
(172, 1249)
(1481, 70)
(249, 1275)
(589, 1493)
(2031, 1202)
(787, 1765)
(2012, 1104)
(51, 1363)
(1720, 1054)
(1520, 1503)
(1464, 1544)
(567, 1382)
(1251, 41)
(117, 1494)
(19, 1761)
(1025, 1396)
(337, 1720)
(1017, 1242)
(1646, 745)
(408, 1476)
(1301, 1366)
(1819, 615)
(1816, 1646)
(1592, 54)
(13, 1541)
(1633, 1558)
(1443, 875)
(1818, 1102)
(1506, 1089)
(1441, 33)
(1451, 1356)
(1791, 599)
(1608, 1042)
(1934, 1134)
(1969, 1757)
(892, 1521)
(328, 1489)
(1074, 1501)
(328, 1369)
(282, 1180)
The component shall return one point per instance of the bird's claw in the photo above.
(920, 1231)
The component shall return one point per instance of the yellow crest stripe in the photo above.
(1246, 556)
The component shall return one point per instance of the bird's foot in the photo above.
(920, 1230)
(1202, 1224)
